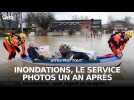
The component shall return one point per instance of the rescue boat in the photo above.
(101, 61)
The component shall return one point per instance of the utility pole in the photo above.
(21, 26)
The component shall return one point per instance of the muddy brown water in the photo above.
(99, 45)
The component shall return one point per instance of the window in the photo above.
(96, 22)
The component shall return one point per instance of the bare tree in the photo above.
(110, 19)
(29, 20)
(41, 19)
(17, 19)
(109, 24)
(127, 20)
(9, 20)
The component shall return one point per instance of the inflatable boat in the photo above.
(101, 61)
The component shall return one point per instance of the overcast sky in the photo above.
(94, 15)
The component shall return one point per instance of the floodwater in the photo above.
(99, 45)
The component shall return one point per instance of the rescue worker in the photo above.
(22, 43)
(11, 45)
(118, 41)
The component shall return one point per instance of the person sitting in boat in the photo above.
(33, 53)
(67, 53)
(11, 45)
(118, 41)
(22, 43)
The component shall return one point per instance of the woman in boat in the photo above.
(11, 45)
(118, 41)
(22, 43)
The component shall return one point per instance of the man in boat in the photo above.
(118, 41)
(33, 53)
(11, 45)
(67, 53)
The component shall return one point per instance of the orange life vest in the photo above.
(10, 46)
(7, 46)
(117, 44)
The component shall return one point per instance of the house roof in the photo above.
(118, 22)
(74, 20)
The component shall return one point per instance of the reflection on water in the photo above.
(100, 45)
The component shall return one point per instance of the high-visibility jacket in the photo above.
(11, 44)
(117, 43)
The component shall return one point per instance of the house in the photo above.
(8, 24)
(121, 25)
(76, 25)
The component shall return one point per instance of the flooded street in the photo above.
(99, 45)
